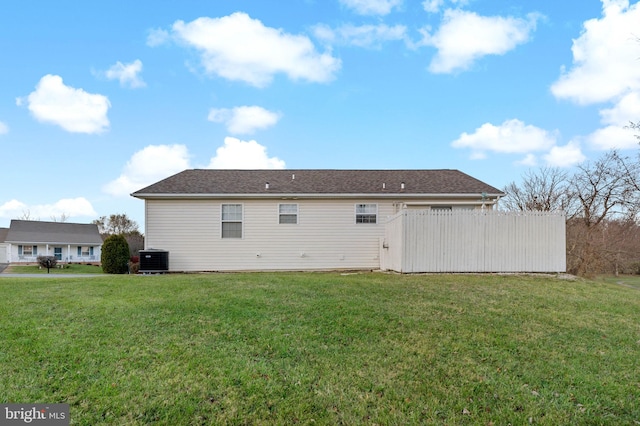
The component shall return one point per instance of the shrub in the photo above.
(134, 259)
(51, 260)
(134, 267)
(115, 255)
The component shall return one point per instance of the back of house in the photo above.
(230, 220)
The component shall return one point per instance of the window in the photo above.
(288, 213)
(84, 251)
(27, 250)
(366, 213)
(232, 221)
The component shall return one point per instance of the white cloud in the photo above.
(69, 207)
(434, 6)
(127, 74)
(614, 135)
(237, 154)
(465, 37)
(72, 109)
(244, 119)
(156, 162)
(512, 136)
(361, 36)
(371, 7)
(13, 209)
(565, 156)
(529, 160)
(239, 48)
(147, 166)
(625, 110)
(157, 37)
(605, 57)
(4, 129)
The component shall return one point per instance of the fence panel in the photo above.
(475, 241)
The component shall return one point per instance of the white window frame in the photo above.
(363, 214)
(22, 247)
(286, 214)
(234, 220)
(85, 253)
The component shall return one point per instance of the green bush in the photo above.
(115, 255)
(52, 261)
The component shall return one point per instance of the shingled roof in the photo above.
(214, 182)
(31, 231)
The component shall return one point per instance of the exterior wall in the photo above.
(326, 236)
(475, 241)
(69, 253)
(4, 253)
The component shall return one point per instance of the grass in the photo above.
(631, 281)
(323, 348)
(69, 268)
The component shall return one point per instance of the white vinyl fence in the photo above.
(474, 241)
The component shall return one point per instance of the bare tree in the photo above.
(542, 190)
(62, 218)
(116, 224)
(602, 202)
(606, 191)
(608, 188)
(634, 126)
(26, 215)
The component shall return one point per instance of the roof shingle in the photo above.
(31, 231)
(315, 182)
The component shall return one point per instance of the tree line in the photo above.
(601, 200)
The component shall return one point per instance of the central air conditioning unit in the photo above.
(154, 261)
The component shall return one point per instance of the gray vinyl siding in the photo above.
(325, 237)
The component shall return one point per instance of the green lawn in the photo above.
(70, 268)
(323, 348)
(632, 281)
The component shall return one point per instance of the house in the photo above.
(229, 220)
(68, 242)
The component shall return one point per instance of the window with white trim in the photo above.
(288, 213)
(231, 221)
(84, 251)
(27, 250)
(366, 213)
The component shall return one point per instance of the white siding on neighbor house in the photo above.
(475, 241)
(4, 253)
(325, 237)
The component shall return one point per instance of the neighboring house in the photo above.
(4, 247)
(68, 242)
(229, 220)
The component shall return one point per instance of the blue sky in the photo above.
(99, 99)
